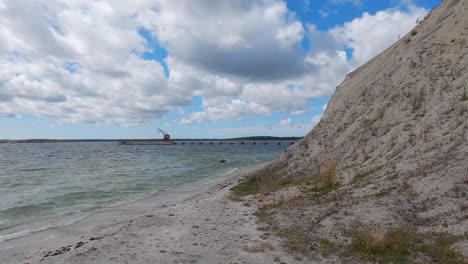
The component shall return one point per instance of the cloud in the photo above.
(195, 117)
(289, 123)
(256, 130)
(8, 115)
(84, 62)
(353, 2)
(78, 62)
(298, 112)
(323, 13)
(225, 109)
(254, 40)
(286, 123)
(371, 34)
(317, 119)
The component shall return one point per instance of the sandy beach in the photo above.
(205, 227)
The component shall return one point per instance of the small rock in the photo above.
(79, 244)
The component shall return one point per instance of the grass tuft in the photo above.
(256, 184)
(270, 184)
(251, 185)
(392, 247)
(403, 245)
(327, 180)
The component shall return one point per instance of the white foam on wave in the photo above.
(36, 229)
(224, 174)
(230, 171)
(22, 233)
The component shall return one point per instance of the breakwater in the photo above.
(208, 142)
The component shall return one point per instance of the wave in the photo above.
(33, 169)
(33, 230)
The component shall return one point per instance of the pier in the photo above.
(207, 142)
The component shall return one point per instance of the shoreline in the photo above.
(156, 198)
(112, 220)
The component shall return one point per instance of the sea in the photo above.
(48, 184)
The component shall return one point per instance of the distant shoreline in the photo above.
(259, 138)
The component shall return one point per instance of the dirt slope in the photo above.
(395, 133)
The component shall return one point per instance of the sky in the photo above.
(198, 69)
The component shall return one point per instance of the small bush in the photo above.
(327, 247)
(442, 251)
(327, 180)
(404, 245)
(392, 247)
(251, 185)
(329, 174)
(260, 184)
(270, 184)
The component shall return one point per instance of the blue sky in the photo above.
(198, 69)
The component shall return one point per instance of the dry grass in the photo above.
(403, 245)
(324, 182)
(259, 183)
(319, 183)
(296, 240)
(270, 184)
(329, 172)
(250, 185)
(383, 248)
(327, 247)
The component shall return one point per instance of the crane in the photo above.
(166, 136)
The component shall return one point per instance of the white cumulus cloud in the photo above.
(372, 33)
(83, 61)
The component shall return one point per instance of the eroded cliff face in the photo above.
(404, 113)
(397, 130)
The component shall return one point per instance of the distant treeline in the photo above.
(265, 138)
(55, 140)
(117, 140)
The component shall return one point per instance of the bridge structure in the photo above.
(207, 142)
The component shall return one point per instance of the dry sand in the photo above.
(205, 228)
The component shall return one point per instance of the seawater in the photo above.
(45, 181)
